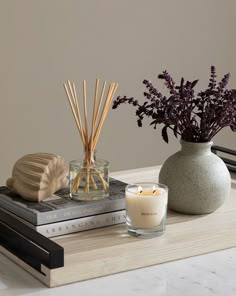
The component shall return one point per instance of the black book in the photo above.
(60, 207)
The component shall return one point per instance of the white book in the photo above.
(76, 225)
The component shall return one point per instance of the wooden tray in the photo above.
(110, 250)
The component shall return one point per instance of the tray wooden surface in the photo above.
(109, 250)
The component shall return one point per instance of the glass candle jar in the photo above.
(146, 208)
(89, 178)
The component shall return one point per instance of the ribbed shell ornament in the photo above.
(37, 176)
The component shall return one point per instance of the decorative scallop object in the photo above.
(37, 176)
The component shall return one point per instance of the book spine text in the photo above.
(81, 224)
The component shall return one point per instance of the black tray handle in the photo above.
(29, 245)
(231, 164)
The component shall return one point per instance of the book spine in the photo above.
(81, 224)
(23, 212)
(52, 214)
(75, 225)
(80, 211)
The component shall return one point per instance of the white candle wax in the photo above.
(146, 209)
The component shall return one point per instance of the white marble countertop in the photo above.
(206, 275)
(210, 274)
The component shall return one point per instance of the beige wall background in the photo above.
(44, 43)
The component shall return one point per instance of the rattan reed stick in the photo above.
(89, 140)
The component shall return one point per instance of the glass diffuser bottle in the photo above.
(89, 177)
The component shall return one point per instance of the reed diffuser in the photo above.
(89, 177)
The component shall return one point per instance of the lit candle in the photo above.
(146, 206)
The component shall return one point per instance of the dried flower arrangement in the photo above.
(195, 118)
(89, 139)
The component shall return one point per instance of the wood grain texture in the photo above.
(110, 250)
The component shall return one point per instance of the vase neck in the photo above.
(196, 148)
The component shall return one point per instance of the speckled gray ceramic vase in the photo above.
(198, 180)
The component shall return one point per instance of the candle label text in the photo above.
(149, 214)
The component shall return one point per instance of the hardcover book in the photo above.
(60, 207)
(74, 225)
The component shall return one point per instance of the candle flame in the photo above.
(154, 189)
(140, 189)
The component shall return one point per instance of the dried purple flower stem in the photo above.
(196, 118)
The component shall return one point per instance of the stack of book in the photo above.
(60, 215)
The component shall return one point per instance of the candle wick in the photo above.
(154, 191)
